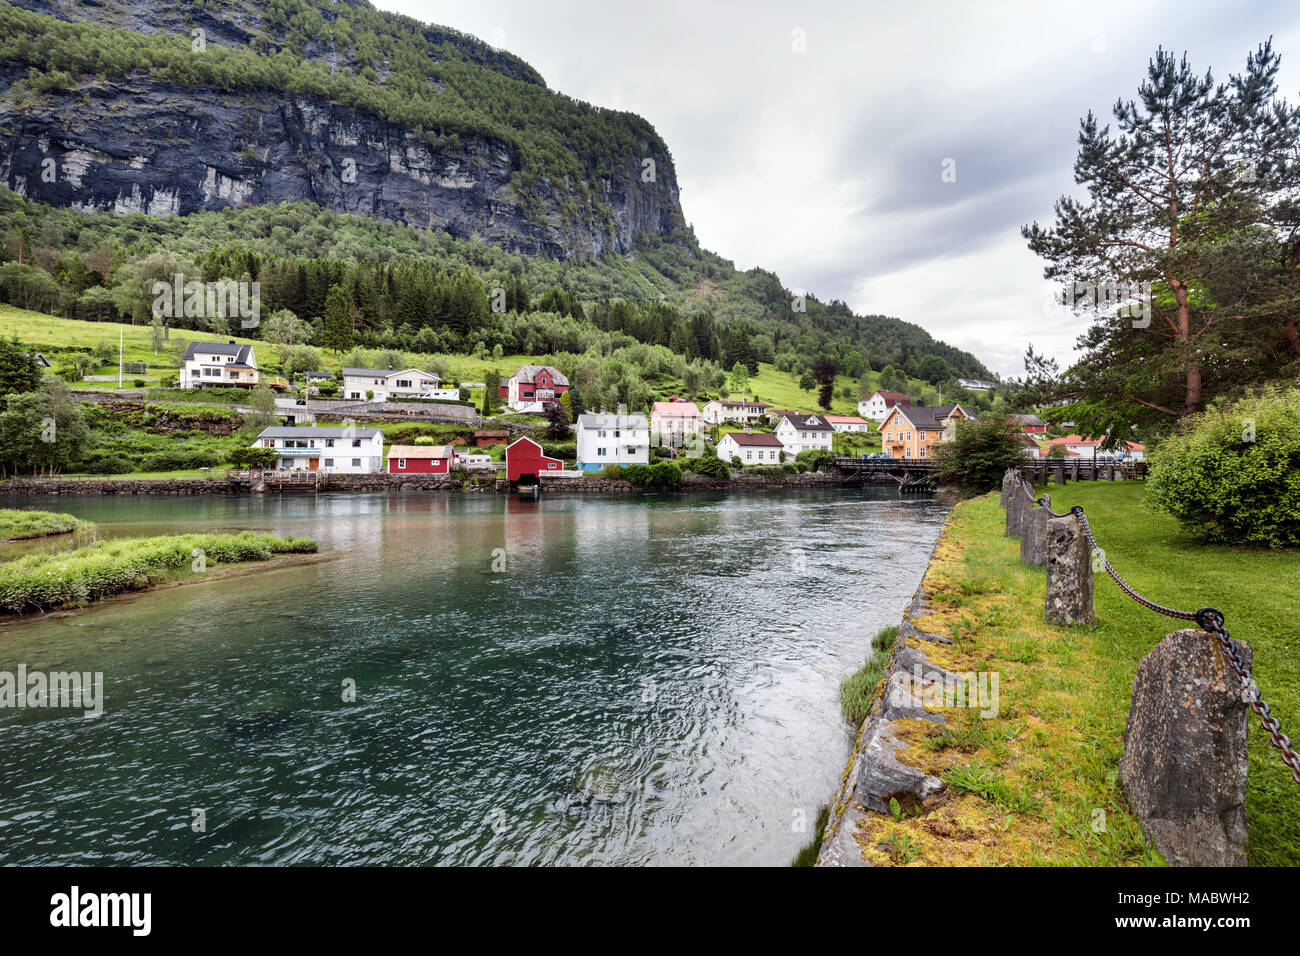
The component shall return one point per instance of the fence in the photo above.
(1185, 761)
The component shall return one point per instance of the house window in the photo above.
(356, 462)
(748, 455)
(329, 443)
(401, 463)
(356, 443)
(329, 462)
(600, 453)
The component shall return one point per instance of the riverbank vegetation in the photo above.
(858, 690)
(16, 525)
(42, 581)
(1037, 784)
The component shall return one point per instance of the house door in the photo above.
(313, 463)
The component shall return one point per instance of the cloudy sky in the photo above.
(810, 137)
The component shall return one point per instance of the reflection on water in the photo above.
(647, 680)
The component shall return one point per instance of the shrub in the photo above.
(613, 471)
(664, 474)
(816, 459)
(1232, 474)
(976, 459)
(711, 466)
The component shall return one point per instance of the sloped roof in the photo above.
(892, 398)
(763, 439)
(606, 420)
(307, 431)
(385, 373)
(929, 416)
(528, 373)
(1029, 420)
(240, 352)
(420, 451)
(675, 410)
(808, 423)
(846, 420)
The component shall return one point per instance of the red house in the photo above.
(534, 383)
(524, 459)
(420, 459)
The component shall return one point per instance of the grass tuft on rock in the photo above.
(859, 689)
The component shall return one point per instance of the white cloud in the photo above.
(823, 166)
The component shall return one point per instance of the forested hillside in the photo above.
(486, 214)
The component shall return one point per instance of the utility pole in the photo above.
(121, 334)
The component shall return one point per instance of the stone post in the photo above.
(1006, 486)
(1069, 573)
(1033, 535)
(1015, 509)
(1184, 764)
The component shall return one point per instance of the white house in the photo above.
(349, 450)
(388, 385)
(975, 384)
(719, 410)
(878, 405)
(619, 439)
(849, 423)
(218, 365)
(674, 423)
(799, 432)
(752, 448)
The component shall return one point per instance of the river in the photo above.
(648, 680)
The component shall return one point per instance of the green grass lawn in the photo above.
(1257, 590)
(1030, 781)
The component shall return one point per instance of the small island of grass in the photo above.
(43, 581)
(16, 525)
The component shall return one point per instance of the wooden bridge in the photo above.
(911, 474)
(1061, 471)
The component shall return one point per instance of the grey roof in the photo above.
(240, 352)
(929, 416)
(385, 372)
(1029, 420)
(805, 423)
(528, 373)
(287, 431)
(606, 420)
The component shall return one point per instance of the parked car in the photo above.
(881, 456)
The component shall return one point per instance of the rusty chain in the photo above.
(1210, 620)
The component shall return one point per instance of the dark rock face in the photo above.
(1185, 762)
(141, 145)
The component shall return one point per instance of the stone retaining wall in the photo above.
(383, 482)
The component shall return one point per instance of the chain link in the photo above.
(1210, 620)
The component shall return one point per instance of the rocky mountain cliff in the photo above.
(128, 137)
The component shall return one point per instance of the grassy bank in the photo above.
(42, 581)
(1037, 783)
(16, 525)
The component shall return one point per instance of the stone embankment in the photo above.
(589, 485)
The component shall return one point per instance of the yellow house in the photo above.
(910, 431)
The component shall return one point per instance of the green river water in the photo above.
(647, 680)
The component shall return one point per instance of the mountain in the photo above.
(310, 144)
(280, 101)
